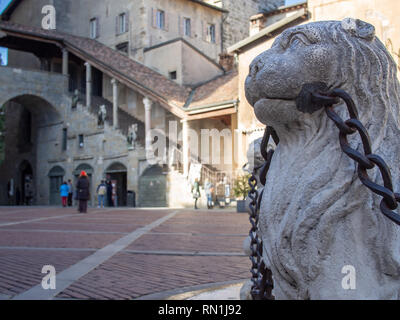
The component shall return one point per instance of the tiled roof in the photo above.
(94, 51)
(223, 89)
(134, 74)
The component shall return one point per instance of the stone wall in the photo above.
(237, 23)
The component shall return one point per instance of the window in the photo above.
(122, 23)
(122, 47)
(187, 27)
(65, 139)
(211, 33)
(94, 28)
(172, 75)
(81, 141)
(160, 19)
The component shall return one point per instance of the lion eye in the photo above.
(299, 39)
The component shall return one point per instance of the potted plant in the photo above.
(241, 190)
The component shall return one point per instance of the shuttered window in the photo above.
(94, 28)
(187, 27)
(122, 23)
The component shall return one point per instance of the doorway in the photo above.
(118, 174)
(56, 176)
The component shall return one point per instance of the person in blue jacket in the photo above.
(64, 191)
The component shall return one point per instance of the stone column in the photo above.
(147, 107)
(114, 83)
(88, 84)
(65, 59)
(185, 147)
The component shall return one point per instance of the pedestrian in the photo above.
(196, 192)
(64, 190)
(110, 201)
(83, 193)
(101, 193)
(208, 187)
(70, 193)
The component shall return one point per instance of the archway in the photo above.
(56, 176)
(118, 174)
(153, 188)
(30, 124)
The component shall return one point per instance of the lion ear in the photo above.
(359, 28)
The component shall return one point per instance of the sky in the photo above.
(290, 2)
(3, 51)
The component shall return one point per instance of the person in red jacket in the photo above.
(83, 191)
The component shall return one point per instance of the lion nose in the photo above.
(255, 67)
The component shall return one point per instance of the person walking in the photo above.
(70, 193)
(208, 186)
(83, 193)
(110, 201)
(196, 193)
(101, 193)
(64, 190)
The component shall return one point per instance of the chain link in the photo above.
(366, 161)
(261, 276)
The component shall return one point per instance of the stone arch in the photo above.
(52, 101)
(83, 167)
(51, 87)
(116, 167)
(28, 119)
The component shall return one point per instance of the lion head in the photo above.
(316, 216)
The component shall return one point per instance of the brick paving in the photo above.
(168, 250)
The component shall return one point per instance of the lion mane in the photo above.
(316, 217)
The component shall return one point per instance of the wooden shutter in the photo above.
(127, 21)
(153, 18)
(166, 21)
(97, 27)
(217, 33)
(180, 25)
(117, 25)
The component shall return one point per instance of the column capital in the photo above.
(87, 64)
(114, 81)
(147, 103)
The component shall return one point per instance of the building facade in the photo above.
(125, 72)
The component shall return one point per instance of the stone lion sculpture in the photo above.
(316, 217)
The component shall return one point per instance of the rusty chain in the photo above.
(312, 98)
(366, 161)
(262, 283)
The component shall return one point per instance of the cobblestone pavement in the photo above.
(120, 253)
